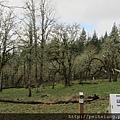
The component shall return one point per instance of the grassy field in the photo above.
(103, 89)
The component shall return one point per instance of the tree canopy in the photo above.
(36, 50)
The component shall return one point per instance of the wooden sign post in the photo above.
(81, 102)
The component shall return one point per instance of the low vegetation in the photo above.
(102, 88)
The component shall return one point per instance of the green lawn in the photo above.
(103, 89)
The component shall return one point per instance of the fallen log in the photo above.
(95, 97)
(21, 101)
(74, 99)
(37, 102)
(88, 100)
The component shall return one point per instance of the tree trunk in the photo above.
(25, 82)
(0, 85)
(30, 60)
(41, 87)
(115, 76)
(37, 87)
(29, 93)
(109, 77)
(69, 72)
(35, 37)
(41, 73)
(0, 81)
(80, 80)
(65, 75)
(53, 81)
(29, 78)
(42, 52)
(12, 79)
(53, 85)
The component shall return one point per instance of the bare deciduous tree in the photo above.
(47, 19)
(7, 36)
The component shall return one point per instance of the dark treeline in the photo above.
(36, 51)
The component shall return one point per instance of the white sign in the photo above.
(81, 97)
(114, 103)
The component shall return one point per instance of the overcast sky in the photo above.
(93, 15)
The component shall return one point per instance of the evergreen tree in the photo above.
(114, 35)
(83, 36)
(94, 40)
(81, 42)
(83, 39)
(106, 35)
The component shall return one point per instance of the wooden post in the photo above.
(81, 105)
(81, 108)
